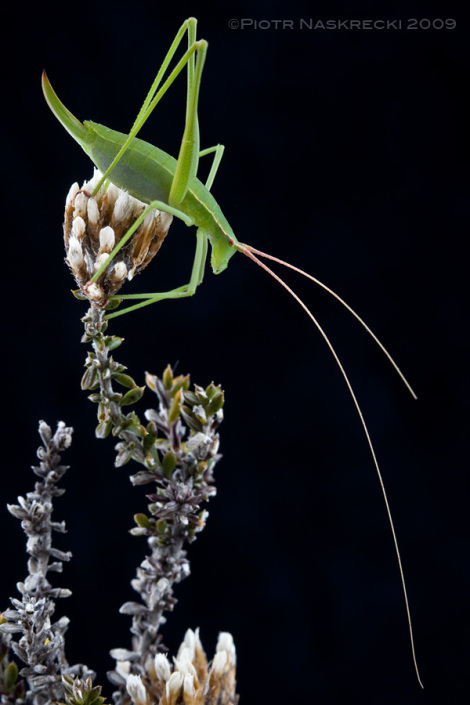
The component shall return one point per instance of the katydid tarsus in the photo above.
(171, 185)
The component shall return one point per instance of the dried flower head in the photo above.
(94, 225)
(190, 680)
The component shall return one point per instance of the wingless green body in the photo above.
(171, 185)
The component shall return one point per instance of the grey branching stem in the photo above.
(41, 645)
(178, 450)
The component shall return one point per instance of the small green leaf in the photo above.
(112, 304)
(181, 382)
(103, 429)
(10, 674)
(175, 407)
(96, 398)
(200, 414)
(132, 425)
(151, 381)
(201, 393)
(142, 520)
(191, 398)
(79, 294)
(112, 342)
(216, 403)
(168, 377)
(161, 526)
(125, 380)
(192, 422)
(90, 379)
(211, 390)
(123, 457)
(132, 396)
(169, 463)
(148, 444)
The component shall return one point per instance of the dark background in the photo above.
(344, 155)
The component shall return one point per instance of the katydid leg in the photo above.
(188, 158)
(218, 151)
(155, 95)
(197, 275)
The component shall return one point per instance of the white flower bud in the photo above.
(94, 292)
(184, 662)
(121, 206)
(165, 219)
(136, 689)
(100, 260)
(149, 218)
(93, 211)
(123, 668)
(107, 239)
(75, 253)
(113, 192)
(119, 272)
(80, 205)
(162, 667)
(78, 227)
(219, 662)
(189, 642)
(90, 185)
(225, 643)
(74, 189)
(188, 685)
(174, 685)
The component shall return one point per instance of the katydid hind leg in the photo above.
(188, 157)
(156, 93)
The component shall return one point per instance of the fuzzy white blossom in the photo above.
(107, 239)
(162, 667)
(136, 690)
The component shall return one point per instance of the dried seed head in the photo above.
(93, 225)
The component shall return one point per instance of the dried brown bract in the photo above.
(94, 225)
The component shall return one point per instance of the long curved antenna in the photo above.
(248, 248)
(249, 252)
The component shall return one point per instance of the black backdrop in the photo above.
(343, 156)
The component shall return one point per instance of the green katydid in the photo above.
(171, 185)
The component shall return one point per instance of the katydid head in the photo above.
(222, 250)
(74, 127)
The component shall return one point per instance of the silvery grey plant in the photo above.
(177, 447)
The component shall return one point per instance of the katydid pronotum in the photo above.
(171, 185)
